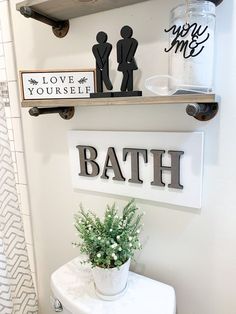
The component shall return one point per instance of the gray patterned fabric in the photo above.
(17, 293)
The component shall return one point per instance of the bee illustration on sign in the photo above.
(188, 39)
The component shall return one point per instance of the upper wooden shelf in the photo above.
(145, 100)
(68, 9)
(57, 13)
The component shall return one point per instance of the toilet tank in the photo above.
(73, 289)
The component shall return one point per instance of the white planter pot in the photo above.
(111, 283)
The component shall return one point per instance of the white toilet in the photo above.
(73, 293)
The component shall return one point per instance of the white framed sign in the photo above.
(62, 84)
(165, 167)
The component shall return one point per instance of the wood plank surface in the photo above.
(116, 101)
(67, 9)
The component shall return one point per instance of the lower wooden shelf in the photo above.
(201, 106)
(116, 101)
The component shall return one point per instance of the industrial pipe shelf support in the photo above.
(59, 28)
(65, 112)
(200, 111)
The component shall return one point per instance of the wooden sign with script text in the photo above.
(57, 84)
(159, 166)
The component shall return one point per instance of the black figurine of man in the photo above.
(101, 52)
(126, 49)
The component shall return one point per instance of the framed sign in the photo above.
(158, 166)
(63, 84)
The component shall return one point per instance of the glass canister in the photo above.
(191, 45)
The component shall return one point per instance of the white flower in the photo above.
(99, 255)
(110, 230)
(120, 249)
(118, 237)
(138, 231)
(114, 256)
(99, 238)
(109, 216)
(114, 245)
(130, 244)
(130, 238)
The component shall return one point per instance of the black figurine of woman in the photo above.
(126, 49)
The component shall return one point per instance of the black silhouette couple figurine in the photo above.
(126, 49)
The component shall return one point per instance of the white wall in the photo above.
(194, 251)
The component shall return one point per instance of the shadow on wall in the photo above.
(143, 202)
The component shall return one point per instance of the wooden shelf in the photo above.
(202, 107)
(68, 9)
(57, 13)
(116, 101)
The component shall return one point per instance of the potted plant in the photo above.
(109, 245)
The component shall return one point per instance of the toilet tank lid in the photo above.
(72, 285)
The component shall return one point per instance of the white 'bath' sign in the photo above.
(163, 167)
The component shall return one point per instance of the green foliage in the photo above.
(111, 242)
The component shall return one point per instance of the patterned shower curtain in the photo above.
(17, 293)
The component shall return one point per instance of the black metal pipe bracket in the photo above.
(203, 111)
(59, 28)
(65, 112)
